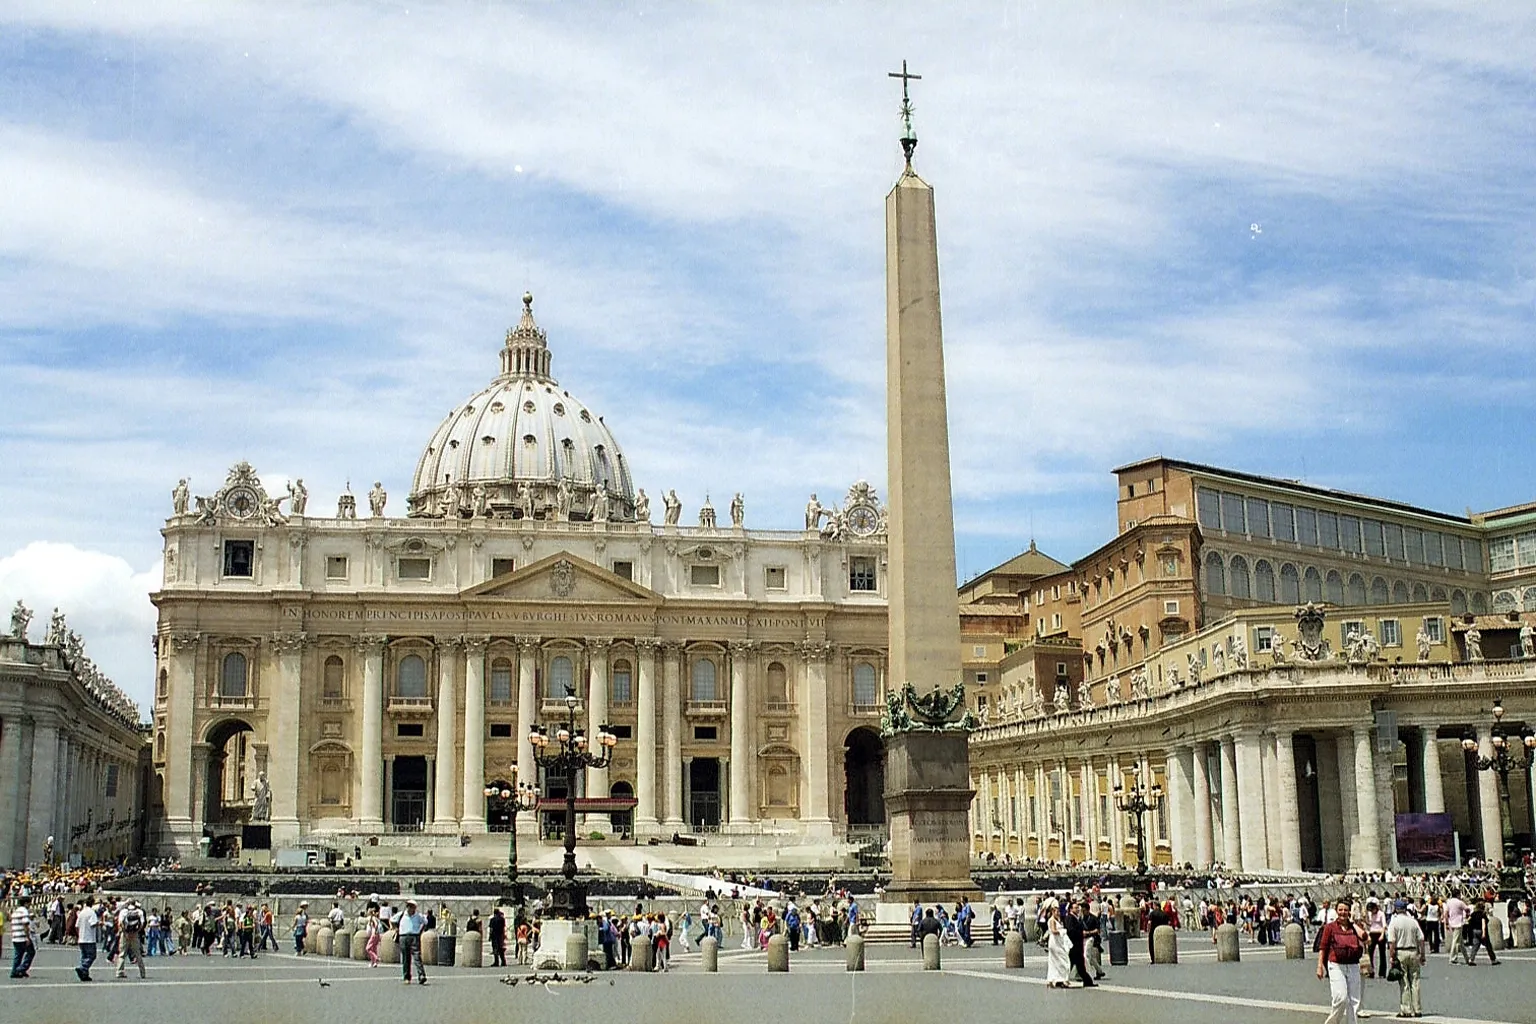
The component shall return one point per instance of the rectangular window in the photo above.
(1061, 668)
(1394, 541)
(1349, 534)
(1472, 555)
(1263, 639)
(1375, 541)
(1525, 548)
(978, 651)
(1283, 517)
(1328, 531)
(240, 558)
(502, 566)
(1170, 607)
(1453, 553)
(1258, 517)
(623, 732)
(414, 568)
(776, 577)
(407, 730)
(704, 575)
(1501, 554)
(1209, 504)
(1434, 628)
(1056, 621)
(1434, 552)
(1056, 592)
(501, 683)
(336, 567)
(708, 733)
(1389, 633)
(1232, 519)
(981, 678)
(501, 730)
(1413, 546)
(861, 574)
(1306, 526)
(625, 569)
(111, 781)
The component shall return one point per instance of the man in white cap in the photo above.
(410, 926)
(130, 926)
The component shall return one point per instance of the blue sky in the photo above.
(1289, 241)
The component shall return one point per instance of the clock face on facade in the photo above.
(241, 502)
(863, 520)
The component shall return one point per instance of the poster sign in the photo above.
(1426, 839)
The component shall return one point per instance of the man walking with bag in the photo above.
(410, 926)
(1405, 947)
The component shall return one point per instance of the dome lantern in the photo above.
(526, 353)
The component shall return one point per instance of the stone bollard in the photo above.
(1165, 945)
(709, 952)
(341, 944)
(778, 955)
(576, 950)
(471, 950)
(324, 941)
(1030, 919)
(855, 952)
(1227, 950)
(1013, 950)
(640, 954)
(389, 947)
(312, 936)
(1496, 932)
(1295, 941)
(1522, 932)
(1130, 916)
(429, 947)
(360, 944)
(931, 953)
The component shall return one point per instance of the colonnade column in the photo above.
(1290, 815)
(1492, 830)
(1041, 823)
(597, 717)
(371, 798)
(672, 733)
(814, 711)
(645, 736)
(1250, 801)
(527, 716)
(741, 739)
(182, 649)
(1205, 846)
(1365, 800)
(1178, 804)
(1086, 783)
(202, 757)
(474, 734)
(284, 701)
(1270, 783)
(443, 817)
(13, 824)
(1231, 826)
(1434, 782)
(42, 772)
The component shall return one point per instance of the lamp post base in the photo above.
(567, 899)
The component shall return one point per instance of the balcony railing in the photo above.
(410, 705)
(707, 708)
(779, 707)
(220, 701)
(556, 706)
(866, 709)
(335, 704)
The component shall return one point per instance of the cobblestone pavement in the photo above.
(277, 988)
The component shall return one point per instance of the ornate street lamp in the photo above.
(1505, 759)
(515, 796)
(1136, 802)
(568, 755)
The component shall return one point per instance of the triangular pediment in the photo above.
(561, 577)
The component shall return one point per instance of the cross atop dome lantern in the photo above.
(526, 353)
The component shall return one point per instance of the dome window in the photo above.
(530, 440)
(431, 450)
(453, 444)
(559, 409)
(488, 439)
(497, 407)
(586, 417)
(567, 444)
(469, 409)
(528, 407)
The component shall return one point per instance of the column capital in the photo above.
(185, 640)
(289, 642)
(647, 644)
(599, 643)
(448, 643)
(813, 650)
(476, 644)
(672, 648)
(370, 643)
(528, 644)
(740, 648)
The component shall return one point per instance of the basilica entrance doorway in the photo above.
(228, 784)
(704, 792)
(408, 794)
(864, 777)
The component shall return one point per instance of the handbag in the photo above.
(1395, 971)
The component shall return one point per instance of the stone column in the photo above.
(672, 733)
(431, 816)
(1231, 824)
(645, 736)
(1289, 819)
(1349, 811)
(741, 736)
(687, 776)
(12, 832)
(285, 703)
(1042, 819)
(1253, 837)
(1178, 804)
(474, 734)
(597, 717)
(389, 789)
(1268, 780)
(1434, 781)
(1365, 799)
(202, 757)
(370, 784)
(1086, 780)
(814, 711)
(444, 818)
(183, 651)
(1491, 832)
(527, 716)
(43, 771)
(1205, 846)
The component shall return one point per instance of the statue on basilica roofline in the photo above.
(600, 505)
(642, 507)
(673, 508)
(298, 497)
(478, 506)
(58, 630)
(563, 500)
(813, 513)
(377, 497)
(21, 618)
(180, 497)
(525, 499)
(738, 510)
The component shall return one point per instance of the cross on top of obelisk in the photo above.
(908, 137)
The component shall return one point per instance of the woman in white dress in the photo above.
(1057, 948)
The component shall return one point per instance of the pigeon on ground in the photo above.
(323, 983)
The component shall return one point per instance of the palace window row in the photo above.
(1235, 577)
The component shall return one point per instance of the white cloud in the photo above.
(104, 599)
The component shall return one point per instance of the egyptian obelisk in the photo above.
(927, 774)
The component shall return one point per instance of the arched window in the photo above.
(1530, 599)
(160, 746)
(1458, 602)
(501, 681)
(1420, 594)
(1379, 594)
(865, 685)
(232, 679)
(1356, 592)
(562, 678)
(165, 682)
(331, 683)
(330, 784)
(1399, 592)
(411, 677)
(1479, 603)
(1437, 594)
(1264, 581)
(1215, 575)
(778, 683)
(1504, 601)
(1238, 577)
(704, 680)
(1290, 585)
(1314, 584)
(1335, 587)
(621, 690)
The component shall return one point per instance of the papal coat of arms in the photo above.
(562, 579)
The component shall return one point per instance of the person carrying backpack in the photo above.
(130, 927)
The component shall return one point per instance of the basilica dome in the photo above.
(523, 447)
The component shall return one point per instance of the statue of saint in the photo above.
(600, 506)
(563, 501)
(376, 499)
(261, 799)
(813, 513)
(58, 630)
(525, 499)
(1421, 640)
(298, 497)
(21, 618)
(1474, 639)
(738, 510)
(707, 514)
(642, 507)
(1239, 652)
(673, 507)
(1527, 641)
(180, 497)
(479, 507)
(453, 500)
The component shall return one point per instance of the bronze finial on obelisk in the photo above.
(908, 137)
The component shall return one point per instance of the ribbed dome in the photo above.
(522, 429)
